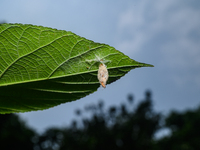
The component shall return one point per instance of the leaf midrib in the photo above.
(79, 73)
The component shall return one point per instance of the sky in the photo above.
(165, 34)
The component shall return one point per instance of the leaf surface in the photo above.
(42, 67)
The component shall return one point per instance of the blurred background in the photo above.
(165, 34)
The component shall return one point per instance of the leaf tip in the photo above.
(150, 65)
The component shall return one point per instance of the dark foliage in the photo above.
(185, 129)
(14, 134)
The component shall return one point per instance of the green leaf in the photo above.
(42, 67)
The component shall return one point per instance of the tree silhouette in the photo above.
(185, 131)
(116, 128)
(121, 127)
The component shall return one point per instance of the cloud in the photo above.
(170, 26)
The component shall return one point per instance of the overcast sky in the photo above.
(163, 33)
